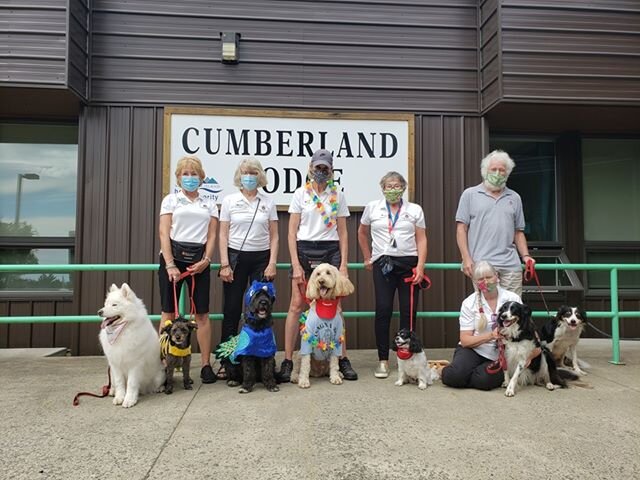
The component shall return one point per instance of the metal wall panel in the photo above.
(340, 55)
(490, 53)
(571, 51)
(33, 42)
(78, 48)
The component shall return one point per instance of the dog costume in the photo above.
(321, 330)
(168, 348)
(261, 344)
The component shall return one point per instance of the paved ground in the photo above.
(369, 429)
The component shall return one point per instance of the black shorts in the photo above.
(311, 254)
(200, 295)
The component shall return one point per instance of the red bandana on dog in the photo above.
(404, 354)
(327, 309)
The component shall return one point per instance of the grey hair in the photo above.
(500, 155)
(481, 269)
(253, 164)
(389, 176)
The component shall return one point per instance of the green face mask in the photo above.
(393, 196)
(496, 179)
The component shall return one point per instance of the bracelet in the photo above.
(224, 266)
(206, 258)
(170, 265)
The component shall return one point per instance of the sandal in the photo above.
(221, 374)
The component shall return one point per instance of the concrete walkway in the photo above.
(369, 429)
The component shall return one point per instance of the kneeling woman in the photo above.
(478, 333)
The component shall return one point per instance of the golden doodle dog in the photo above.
(321, 327)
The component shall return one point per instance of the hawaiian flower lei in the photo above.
(313, 339)
(329, 219)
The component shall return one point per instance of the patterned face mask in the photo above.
(496, 179)
(393, 196)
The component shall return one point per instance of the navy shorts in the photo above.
(200, 295)
(311, 254)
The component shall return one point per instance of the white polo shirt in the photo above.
(190, 219)
(470, 316)
(376, 216)
(312, 227)
(238, 211)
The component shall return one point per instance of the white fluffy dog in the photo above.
(131, 346)
(322, 332)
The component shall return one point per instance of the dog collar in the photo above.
(404, 354)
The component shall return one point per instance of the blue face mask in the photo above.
(249, 182)
(189, 183)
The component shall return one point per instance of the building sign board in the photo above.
(365, 146)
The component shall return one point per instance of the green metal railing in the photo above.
(614, 314)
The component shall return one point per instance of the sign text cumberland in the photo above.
(365, 147)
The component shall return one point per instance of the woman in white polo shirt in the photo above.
(248, 242)
(317, 234)
(399, 241)
(478, 333)
(188, 225)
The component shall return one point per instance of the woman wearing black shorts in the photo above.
(317, 234)
(188, 224)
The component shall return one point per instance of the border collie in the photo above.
(521, 341)
(562, 334)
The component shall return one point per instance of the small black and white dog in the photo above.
(521, 341)
(412, 361)
(562, 334)
(256, 345)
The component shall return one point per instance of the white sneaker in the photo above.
(383, 370)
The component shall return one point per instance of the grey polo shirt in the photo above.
(492, 225)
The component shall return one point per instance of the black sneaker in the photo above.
(346, 369)
(207, 375)
(286, 367)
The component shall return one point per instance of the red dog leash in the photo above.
(105, 391)
(425, 284)
(529, 274)
(192, 306)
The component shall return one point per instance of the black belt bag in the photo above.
(315, 254)
(187, 252)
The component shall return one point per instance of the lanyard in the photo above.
(395, 219)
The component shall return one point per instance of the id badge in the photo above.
(393, 244)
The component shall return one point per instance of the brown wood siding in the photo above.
(33, 43)
(571, 51)
(78, 48)
(341, 55)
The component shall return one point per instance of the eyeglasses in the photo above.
(395, 186)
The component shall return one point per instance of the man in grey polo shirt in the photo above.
(490, 223)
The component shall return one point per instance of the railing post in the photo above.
(615, 319)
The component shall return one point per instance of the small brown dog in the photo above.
(175, 351)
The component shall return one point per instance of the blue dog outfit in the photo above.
(249, 342)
